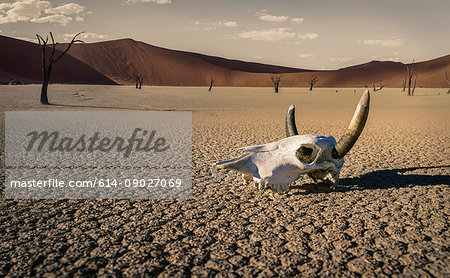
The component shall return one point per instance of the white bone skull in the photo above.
(278, 164)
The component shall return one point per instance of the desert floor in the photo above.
(389, 215)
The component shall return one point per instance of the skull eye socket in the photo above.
(306, 151)
(307, 154)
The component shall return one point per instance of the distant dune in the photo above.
(22, 60)
(120, 59)
(117, 61)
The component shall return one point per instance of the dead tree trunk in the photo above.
(404, 85)
(46, 77)
(375, 87)
(409, 74)
(211, 83)
(448, 81)
(141, 82)
(409, 77)
(414, 86)
(47, 63)
(312, 81)
(276, 79)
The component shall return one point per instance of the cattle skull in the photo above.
(278, 164)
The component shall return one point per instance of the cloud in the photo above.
(381, 58)
(308, 36)
(38, 11)
(230, 24)
(265, 16)
(273, 18)
(384, 43)
(67, 9)
(276, 35)
(85, 36)
(214, 25)
(341, 59)
(150, 1)
(268, 35)
(306, 55)
(22, 10)
(56, 18)
(297, 20)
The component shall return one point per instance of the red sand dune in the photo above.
(22, 60)
(120, 59)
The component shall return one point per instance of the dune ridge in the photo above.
(117, 61)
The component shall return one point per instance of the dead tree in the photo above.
(137, 79)
(375, 87)
(409, 78)
(448, 81)
(312, 81)
(47, 63)
(141, 82)
(404, 85)
(276, 79)
(211, 83)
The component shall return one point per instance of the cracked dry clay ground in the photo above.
(388, 217)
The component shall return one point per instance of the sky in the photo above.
(309, 34)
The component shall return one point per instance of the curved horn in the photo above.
(354, 129)
(291, 128)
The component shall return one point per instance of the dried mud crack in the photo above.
(388, 217)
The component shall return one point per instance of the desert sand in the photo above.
(388, 216)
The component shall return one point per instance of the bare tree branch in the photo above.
(377, 89)
(276, 79)
(53, 49)
(41, 40)
(74, 40)
(312, 81)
